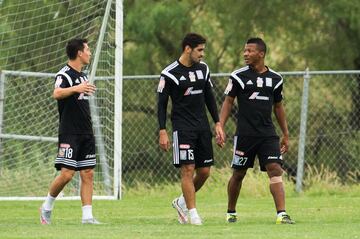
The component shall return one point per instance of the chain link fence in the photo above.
(29, 122)
(332, 137)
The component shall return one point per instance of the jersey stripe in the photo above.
(176, 148)
(207, 70)
(168, 74)
(233, 74)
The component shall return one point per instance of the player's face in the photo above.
(197, 53)
(252, 55)
(85, 55)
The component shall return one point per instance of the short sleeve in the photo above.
(61, 82)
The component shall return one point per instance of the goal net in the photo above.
(33, 35)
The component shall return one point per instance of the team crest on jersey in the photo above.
(192, 76)
(199, 74)
(268, 82)
(259, 82)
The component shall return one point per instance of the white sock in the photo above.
(87, 212)
(48, 205)
(193, 213)
(182, 202)
(281, 213)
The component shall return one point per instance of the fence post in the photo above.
(302, 136)
(2, 97)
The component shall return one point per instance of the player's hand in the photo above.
(219, 135)
(164, 140)
(86, 87)
(284, 144)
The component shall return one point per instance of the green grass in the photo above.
(145, 212)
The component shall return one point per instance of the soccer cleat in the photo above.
(182, 213)
(196, 221)
(231, 217)
(284, 219)
(45, 216)
(90, 221)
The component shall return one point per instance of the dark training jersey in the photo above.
(74, 111)
(256, 93)
(190, 89)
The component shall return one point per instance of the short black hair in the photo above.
(73, 46)
(192, 40)
(259, 42)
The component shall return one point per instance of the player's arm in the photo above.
(279, 112)
(224, 115)
(211, 105)
(63, 89)
(163, 98)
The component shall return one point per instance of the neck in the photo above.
(185, 60)
(259, 68)
(76, 65)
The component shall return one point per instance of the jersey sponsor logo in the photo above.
(161, 85)
(268, 82)
(256, 96)
(259, 82)
(275, 157)
(65, 146)
(182, 78)
(190, 91)
(58, 81)
(192, 76)
(83, 96)
(90, 156)
(228, 87)
(199, 74)
(240, 153)
(249, 82)
(184, 146)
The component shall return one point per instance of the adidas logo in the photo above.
(77, 81)
(249, 82)
(182, 78)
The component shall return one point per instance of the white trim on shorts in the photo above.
(176, 148)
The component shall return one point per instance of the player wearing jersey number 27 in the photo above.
(258, 90)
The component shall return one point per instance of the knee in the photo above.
(274, 170)
(67, 176)
(87, 175)
(238, 175)
(187, 171)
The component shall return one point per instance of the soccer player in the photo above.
(259, 92)
(187, 82)
(76, 147)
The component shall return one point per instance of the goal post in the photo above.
(28, 113)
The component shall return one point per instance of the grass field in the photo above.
(146, 212)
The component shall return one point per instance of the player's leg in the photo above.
(243, 158)
(202, 174)
(66, 163)
(55, 188)
(86, 164)
(204, 158)
(270, 160)
(183, 156)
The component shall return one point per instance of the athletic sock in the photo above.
(48, 205)
(281, 212)
(87, 212)
(231, 211)
(193, 213)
